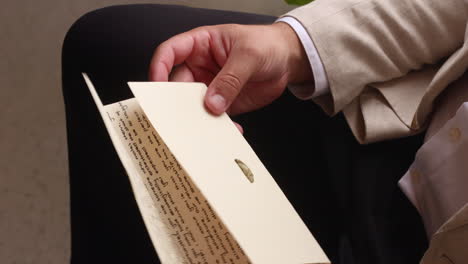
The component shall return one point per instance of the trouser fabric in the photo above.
(346, 193)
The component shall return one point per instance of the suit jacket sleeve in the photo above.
(386, 60)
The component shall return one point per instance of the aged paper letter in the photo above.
(196, 232)
(209, 199)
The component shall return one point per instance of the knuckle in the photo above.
(232, 27)
(229, 84)
(199, 29)
(225, 27)
(251, 51)
(162, 47)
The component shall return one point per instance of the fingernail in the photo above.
(218, 102)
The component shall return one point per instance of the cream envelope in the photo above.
(210, 155)
(257, 213)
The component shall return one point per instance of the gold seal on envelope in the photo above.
(247, 172)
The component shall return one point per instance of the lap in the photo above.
(346, 193)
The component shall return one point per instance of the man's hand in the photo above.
(244, 67)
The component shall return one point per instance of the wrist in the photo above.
(298, 66)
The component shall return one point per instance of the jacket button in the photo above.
(454, 134)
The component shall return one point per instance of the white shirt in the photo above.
(437, 181)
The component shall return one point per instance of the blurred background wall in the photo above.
(34, 211)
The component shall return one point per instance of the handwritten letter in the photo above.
(198, 233)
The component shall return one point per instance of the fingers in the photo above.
(239, 127)
(228, 83)
(170, 53)
(181, 73)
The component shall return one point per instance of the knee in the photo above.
(109, 27)
(83, 31)
(79, 33)
(92, 25)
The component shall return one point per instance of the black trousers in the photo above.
(346, 193)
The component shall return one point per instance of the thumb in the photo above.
(228, 83)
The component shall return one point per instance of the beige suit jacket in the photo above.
(386, 62)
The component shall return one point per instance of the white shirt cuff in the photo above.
(307, 91)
